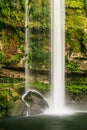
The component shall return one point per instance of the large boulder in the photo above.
(35, 102)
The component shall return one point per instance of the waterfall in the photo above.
(57, 45)
(28, 90)
(26, 57)
(26, 46)
(58, 60)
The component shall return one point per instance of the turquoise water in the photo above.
(44, 122)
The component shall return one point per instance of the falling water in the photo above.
(26, 57)
(57, 60)
(57, 45)
(26, 46)
(57, 71)
(27, 86)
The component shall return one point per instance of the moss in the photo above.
(76, 88)
(41, 86)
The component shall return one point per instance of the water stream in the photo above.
(57, 60)
(26, 45)
(28, 89)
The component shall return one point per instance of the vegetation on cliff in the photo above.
(12, 45)
(75, 32)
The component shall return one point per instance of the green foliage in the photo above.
(78, 4)
(39, 16)
(12, 35)
(12, 21)
(40, 86)
(4, 103)
(2, 58)
(75, 30)
(8, 96)
(13, 60)
(72, 67)
(85, 38)
(85, 6)
(11, 80)
(6, 99)
(38, 56)
(76, 88)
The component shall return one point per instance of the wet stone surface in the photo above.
(37, 103)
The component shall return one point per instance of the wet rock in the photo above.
(19, 109)
(35, 102)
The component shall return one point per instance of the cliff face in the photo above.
(76, 35)
(12, 32)
(14, 56)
